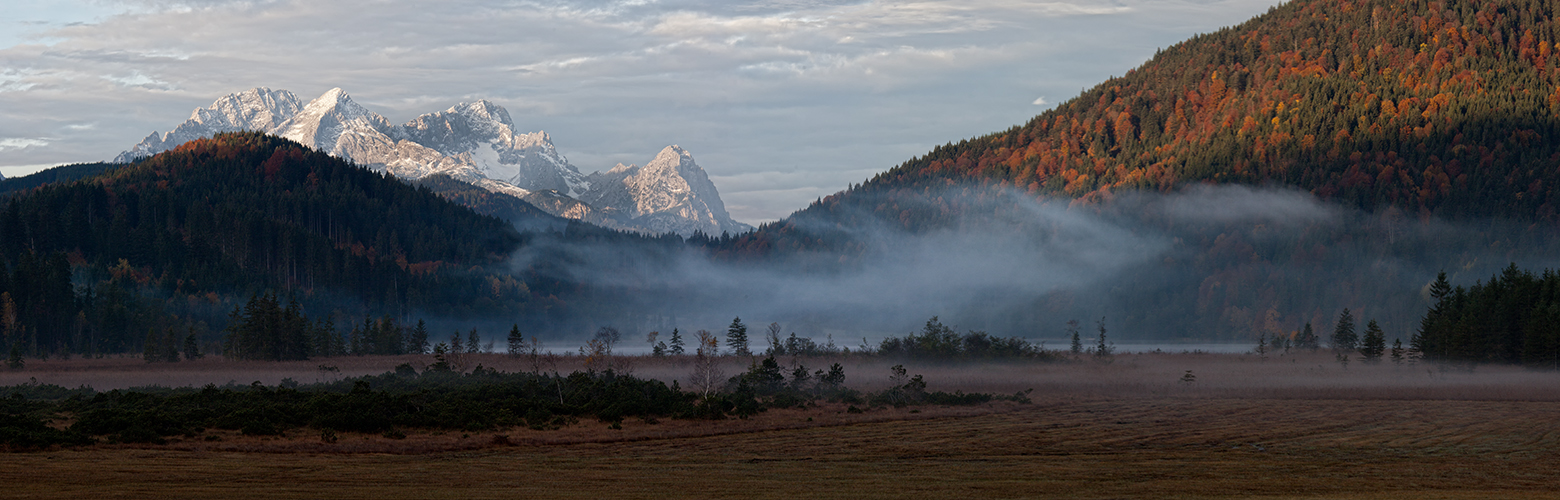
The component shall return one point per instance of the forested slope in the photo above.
(1411, 112)
(92, 264)
(1434, 107)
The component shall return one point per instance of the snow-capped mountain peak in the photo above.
(671, 193)
(486, 133)
(258, 108)
(322, 123)
(474, 142)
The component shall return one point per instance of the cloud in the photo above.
(21, 143)
(136, 79)
(815, 87)
(1040, 101)
(1235, 203)
(1153, 265)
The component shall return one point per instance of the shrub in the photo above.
(938, 341)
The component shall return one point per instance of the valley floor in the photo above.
(1137, 448)
(1112, 434)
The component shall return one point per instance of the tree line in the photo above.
(1514, 317)
(435, 398)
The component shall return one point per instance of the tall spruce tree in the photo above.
(737, 338)
(516, 341)
(1343, 337)
(170, 346)
(676, 343)
(1374, 344)
(1440, 290)
(417, 342)
(1307, 338)
(192, 346)
(1077, 341)
(1103, 348)
(151, 349)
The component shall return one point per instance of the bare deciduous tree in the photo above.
(773, 336)
(597, 354)
(706, 374)
(538, 357)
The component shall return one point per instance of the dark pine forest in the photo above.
(177, 240)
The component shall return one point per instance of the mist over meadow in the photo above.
(1209, 263)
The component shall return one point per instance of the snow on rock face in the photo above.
(334, 124)
(669, 194)
(259, 109)
(485, 131)
(475, 143)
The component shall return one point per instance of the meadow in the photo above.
(1280, 426)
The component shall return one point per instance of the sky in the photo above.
(781, 101)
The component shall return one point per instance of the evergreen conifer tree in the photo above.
(192, 346)
(151, 350)
(418, 343)
(657, 347)
(1374, 344)
(676, 343)
(15, 361)
(170, 346)
(355, 342)
(1103, 349)
(1343, 338)
(473, 342)
(516, 341)
(737, 338)
(331, 343)
(1307, 338)
(1440, 291)
(1077, 343)
(392, 338)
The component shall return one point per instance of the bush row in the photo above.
(436, 399)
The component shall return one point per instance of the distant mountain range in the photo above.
(476, 143)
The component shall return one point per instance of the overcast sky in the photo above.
(781, 101)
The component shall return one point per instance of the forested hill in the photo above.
(1408, 110)
(1445, 107)
(190, 229)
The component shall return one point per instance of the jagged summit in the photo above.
(334, 124)
(671, 193)
(474, 142)
(259, 109)
(484, 132)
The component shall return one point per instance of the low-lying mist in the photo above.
(1223, 263)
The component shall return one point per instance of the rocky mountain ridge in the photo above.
(476, 143)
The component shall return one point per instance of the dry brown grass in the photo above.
(1297, 427)
(1142, 448)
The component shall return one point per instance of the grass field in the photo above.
(1286, 427)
